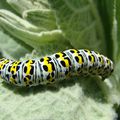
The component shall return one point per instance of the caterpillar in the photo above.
(61, 65)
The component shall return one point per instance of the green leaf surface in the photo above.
(20, 6)
(10, 48)
(80, 22)
(4, 5)
(42, 18)
(117, 23)
(106, 11)
(29, 34)
(69, 100)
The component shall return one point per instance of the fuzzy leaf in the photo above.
(80, 22)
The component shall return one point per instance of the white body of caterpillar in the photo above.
(58, 66)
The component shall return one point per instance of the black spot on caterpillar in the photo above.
(60, 65)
